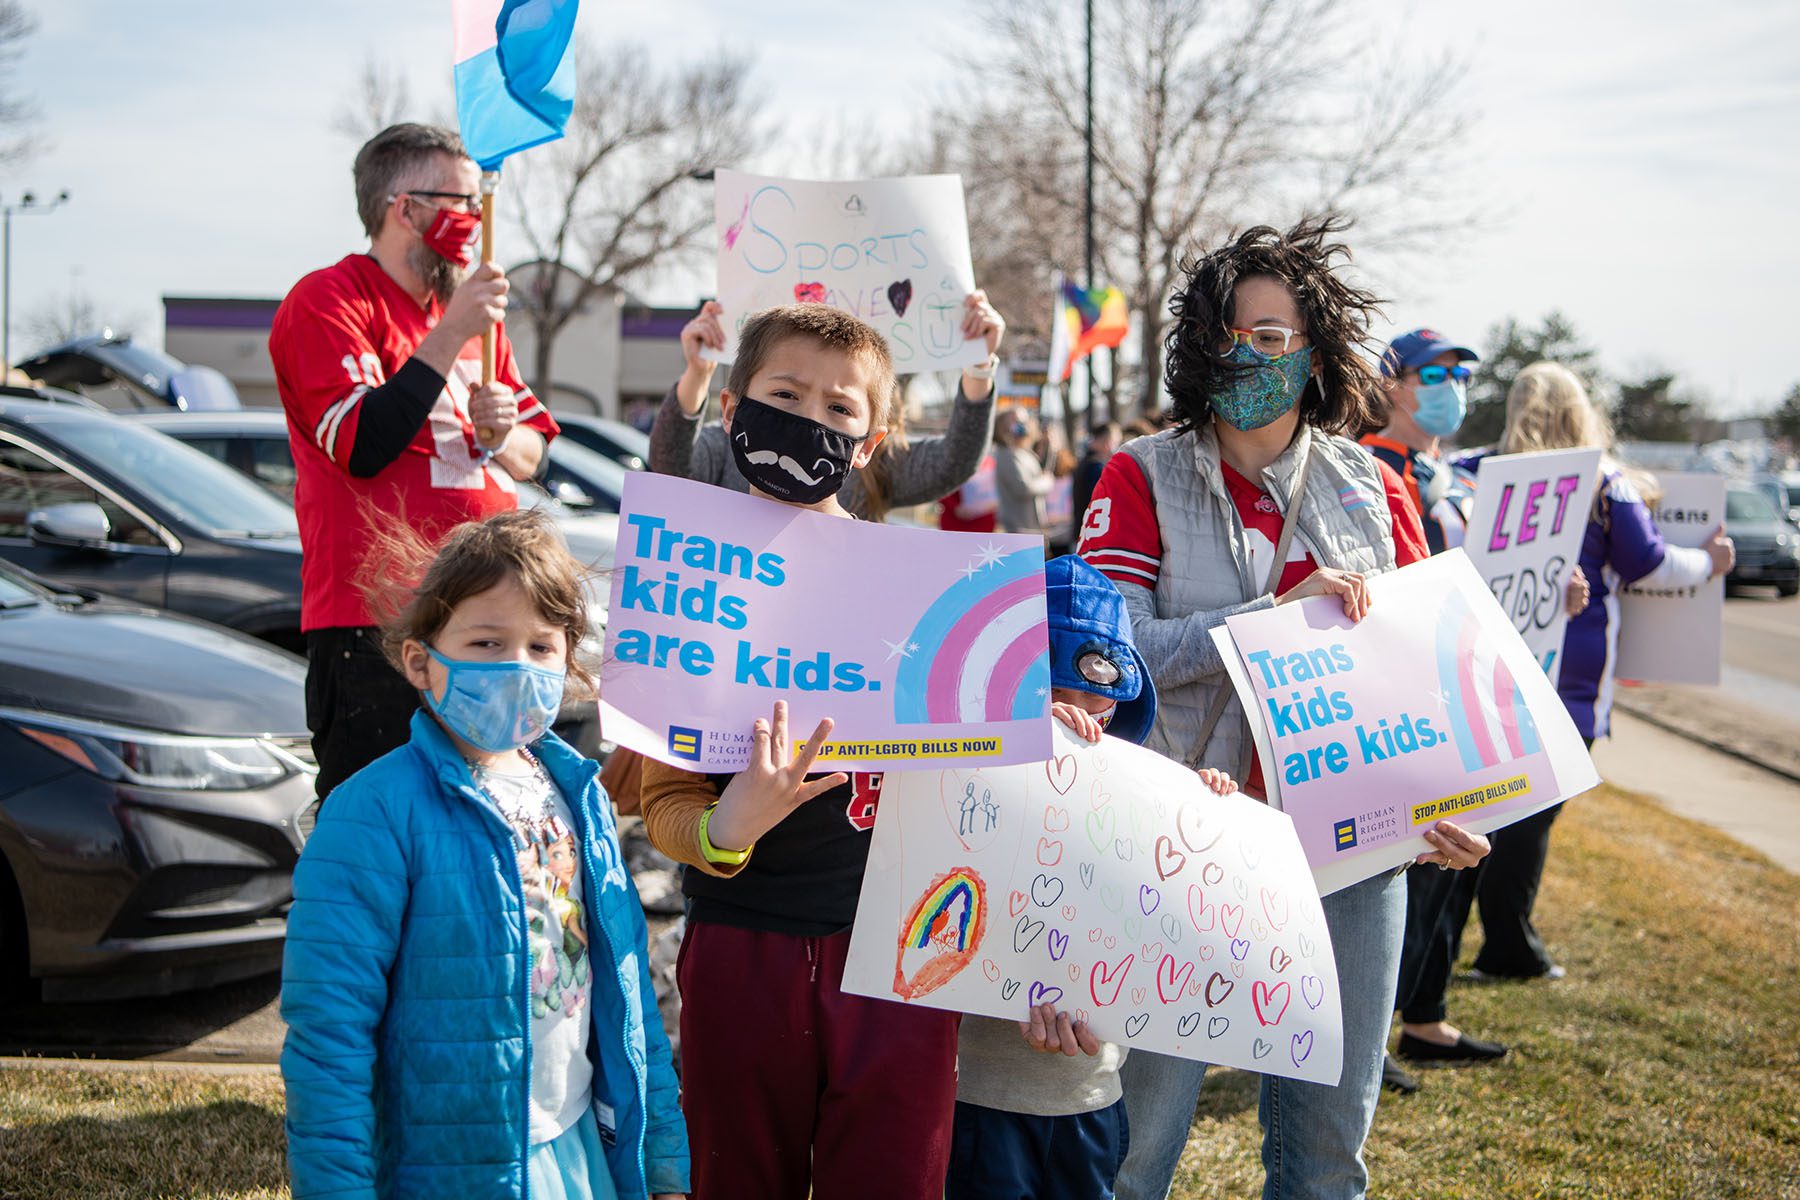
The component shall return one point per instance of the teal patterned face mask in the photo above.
(1257, 397)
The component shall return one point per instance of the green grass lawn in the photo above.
(1667, 1064)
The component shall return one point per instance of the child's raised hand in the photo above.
(981, 320)
(760, 797)
(1052, 1032)
(1080, 721)
(1217, 780)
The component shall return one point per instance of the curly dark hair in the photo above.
(1346, 395)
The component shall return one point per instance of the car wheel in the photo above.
(15, 948)
(1789, 588)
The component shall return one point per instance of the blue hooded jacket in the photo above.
(1091, 648)
(405, 990)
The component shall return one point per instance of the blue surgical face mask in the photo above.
(496, 706)
(1257, 397)
(1442, 407)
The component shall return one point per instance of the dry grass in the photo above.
(1667, 1065)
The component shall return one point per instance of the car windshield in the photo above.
(1745, 505)
(14, 593)
(200, 490)
(590, 466)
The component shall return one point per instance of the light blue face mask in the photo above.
(496, 706)
(1257, 397)
(1442, 407)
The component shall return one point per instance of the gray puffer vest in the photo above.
(1206, 573)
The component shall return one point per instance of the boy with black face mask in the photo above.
(789, 1084)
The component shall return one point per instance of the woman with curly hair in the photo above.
(1258, 497)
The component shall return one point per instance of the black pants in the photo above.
(1507, 892)
(998, 1155)
(1437, 909)
(357, 706)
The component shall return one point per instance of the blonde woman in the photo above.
(1549, 409)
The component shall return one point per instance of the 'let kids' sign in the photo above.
(926, 648)
(894, 252)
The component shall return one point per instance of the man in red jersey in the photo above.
(378, 360)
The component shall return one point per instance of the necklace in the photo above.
(520, 798)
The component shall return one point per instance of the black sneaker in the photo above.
(1395, 1077)
(1464, 1049)
(1550, 974)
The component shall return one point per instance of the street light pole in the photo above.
(27, 204)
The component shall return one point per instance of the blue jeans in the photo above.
(1312, 1134)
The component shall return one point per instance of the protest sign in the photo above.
(1430, 707)
(894, 252)
(1524, 537)
(1675, 635)
(1110, 882)
(926, 648)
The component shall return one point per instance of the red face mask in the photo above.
(453, 235)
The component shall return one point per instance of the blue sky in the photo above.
(1638, 155)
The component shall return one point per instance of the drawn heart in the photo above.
(1055, 819)
(1058, 942)
(1124, 849)
(1275, 907)
(1087, 875)
(1015, 904)
(1162, 809)
(1261, 1048)
(1169, 860)
(1190, 826)
(1218, 988)
(1211, 873)
(900, 295)
(1074, 970)
(1169, 981)
(1049, 852)
(1148, 898)
(1237, 968)
(1098, 797)
(1110, 976)
(1252, 853)
(1112, 897)
(1258, 930)
(1239, 948)
(1094, 935)
(1216, 1026)
(1068, 912)
(1009, 989)
(990, 970)
(1312, 990)
(1186, 1026)
(1100, 829)
(1240, 887)
(1200, 912)
(1231, 919)
(1135, 1025)
(1110, 941)
(1133, 927)
(1171, 928)
(1193, 988)
(1306, 946)
(1150, 952)
(1026, 932)
(1266, 1000)
(1043, 993)
(1137, 995)
(809, 293)
(1081, 1016)
(1302, 1046)
(1206, 953)
(1279, 960)
(1061, 772)
(1046, 890)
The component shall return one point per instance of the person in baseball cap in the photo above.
(1426, 378)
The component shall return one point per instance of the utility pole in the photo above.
(1087, 210)
(26, 204)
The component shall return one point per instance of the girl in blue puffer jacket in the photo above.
(465, 986)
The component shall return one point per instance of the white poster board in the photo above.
(1676, 635)
(1524, 537)
(894, 252)
(1111, 883)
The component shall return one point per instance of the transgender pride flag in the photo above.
(515, 79)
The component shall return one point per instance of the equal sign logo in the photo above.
(1344, 833)
(684, 743)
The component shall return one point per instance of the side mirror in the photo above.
(82, 526)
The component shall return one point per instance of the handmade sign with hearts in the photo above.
(1181, 921)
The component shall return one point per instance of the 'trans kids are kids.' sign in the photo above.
(1430, 707)
(1112, 884)
(926, 648)
(894, 252)
(1524, 537)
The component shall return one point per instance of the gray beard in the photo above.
(441, 275)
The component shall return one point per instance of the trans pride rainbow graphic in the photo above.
(944, 928)
(1488, 717)
(988, 643)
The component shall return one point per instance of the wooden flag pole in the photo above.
(490, 183)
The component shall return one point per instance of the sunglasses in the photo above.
(1436, 373)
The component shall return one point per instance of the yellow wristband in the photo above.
(712, 854)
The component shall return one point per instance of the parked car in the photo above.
(625, 444)
(1768, 548)
(156, 786)
(1781, 494)
(119, 374)
(103, 503)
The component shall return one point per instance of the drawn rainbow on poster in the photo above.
(989, 657)
(952, 917)
(1488, 717)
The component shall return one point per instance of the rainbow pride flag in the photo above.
(515, 78)
(1084, 319)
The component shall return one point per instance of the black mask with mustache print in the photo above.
(788, 456)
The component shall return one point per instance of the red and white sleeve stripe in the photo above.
(1120, 536)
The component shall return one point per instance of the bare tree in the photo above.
(617, 198)
(67, 316)
(17, 113)
(1208, 115)
(381, 98)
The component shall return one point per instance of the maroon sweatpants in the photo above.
(789, 1084)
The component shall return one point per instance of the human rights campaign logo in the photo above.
(684, 743)
(1344, 832)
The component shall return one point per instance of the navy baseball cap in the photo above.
(1091, 648)
(1419, 347)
